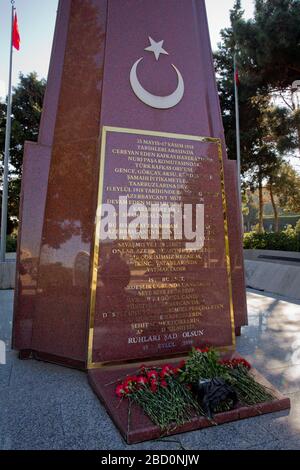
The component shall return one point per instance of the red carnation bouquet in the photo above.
(235, 363)
(165, 393)
(160, 394)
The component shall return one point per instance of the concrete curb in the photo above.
(281, 279)
(8, 273)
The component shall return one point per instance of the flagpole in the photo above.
(238, 141)
(7, 149)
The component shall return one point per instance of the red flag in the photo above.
(16, 35)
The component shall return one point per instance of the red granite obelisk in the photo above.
(96, 44)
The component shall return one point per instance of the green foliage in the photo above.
(287, 240)
(281, 124)
(249, 112)
(168, 407)
(27, 102)
(207, 364)
(285, 182)
(250, 209)
(248, 390)
(11, 244)
(203, 364)
(270, 44)
(268, 58)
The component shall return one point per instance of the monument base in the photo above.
(140, 428)
(28, 354)
(238, 331)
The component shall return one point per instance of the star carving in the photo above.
(156, 48)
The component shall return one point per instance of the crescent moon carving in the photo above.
(158, 102)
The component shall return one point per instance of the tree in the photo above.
(285, 185)
(250, 210)
(270, 43)
(27, 102)
(270, 48)
(267, 131)
(223, 58)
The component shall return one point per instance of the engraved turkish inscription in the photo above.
(156, 294)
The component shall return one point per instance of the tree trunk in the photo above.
(275, 210)
(261, 206)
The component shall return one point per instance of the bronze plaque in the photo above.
(153, 294)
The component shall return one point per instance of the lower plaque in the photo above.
(161, 279)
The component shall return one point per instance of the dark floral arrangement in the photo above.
(167, 394)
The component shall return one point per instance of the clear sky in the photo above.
(36, 24)
(37, 21)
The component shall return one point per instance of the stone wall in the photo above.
(273, 271)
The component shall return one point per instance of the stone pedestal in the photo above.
(136, 427)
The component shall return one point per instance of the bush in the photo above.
(287, 240)
(11, 244)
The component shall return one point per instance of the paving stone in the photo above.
(285, 428)
(35, 426)
(3, 416)
(237, 435)
(170, 443)
(85, 415)
(44, 406)
(286, 380)
(269, 445)
(279, 444)
(292, 444)
(35, 373)
(5, 374)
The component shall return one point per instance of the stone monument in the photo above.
(131, 111)
(130, 246)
